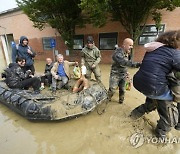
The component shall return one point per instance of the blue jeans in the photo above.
(167, 96)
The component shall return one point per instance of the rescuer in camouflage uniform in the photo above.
(91, 57)
(119, 72)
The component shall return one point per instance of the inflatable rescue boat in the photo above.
(46, 106)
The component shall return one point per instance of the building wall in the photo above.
(109, 27)
(171, 21)
(18, 24)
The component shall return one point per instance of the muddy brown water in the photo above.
(110, 132)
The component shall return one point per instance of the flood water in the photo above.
(89, 134)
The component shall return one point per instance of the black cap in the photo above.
(90, 39)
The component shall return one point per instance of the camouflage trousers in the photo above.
(96, 71)
(176, 93)
(178, 107)
(174, 86)
(117, 81)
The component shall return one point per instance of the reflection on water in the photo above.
(14, 138)
(91, 134)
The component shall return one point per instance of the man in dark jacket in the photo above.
(119, 70)
(47, 73)
(24, 51)
(16, 78)
(151, 80)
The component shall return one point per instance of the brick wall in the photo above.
(18, 24)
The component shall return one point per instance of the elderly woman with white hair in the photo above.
(60, 72)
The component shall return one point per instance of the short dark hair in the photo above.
(170, 38)
(20, 59)
(90, 39)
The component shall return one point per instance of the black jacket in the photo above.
(21, 51)
(151, 78)
(15, 74)
(48, 68)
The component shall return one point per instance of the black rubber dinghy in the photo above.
(46, 106)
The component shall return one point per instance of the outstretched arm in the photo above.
(119, 58)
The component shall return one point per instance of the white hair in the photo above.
(60, 55)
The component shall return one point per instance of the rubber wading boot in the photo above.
(159, 133)
(137, 112)
(110, 94)
(121, 99)
(177, 127)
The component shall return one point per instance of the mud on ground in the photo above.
(110, 132)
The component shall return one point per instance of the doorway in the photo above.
(5, 50)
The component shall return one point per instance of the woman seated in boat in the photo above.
(82, 83)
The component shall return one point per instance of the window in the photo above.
(47, 43)
(149, 34)
(78, 42)
(107, 41)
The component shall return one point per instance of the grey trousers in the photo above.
(63, 81)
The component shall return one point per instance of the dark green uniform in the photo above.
(118, 73)
(174, 83)
(90, 57)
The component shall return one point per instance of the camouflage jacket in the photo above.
(120, 62)
(90, 56)
(177, 75)
(15, 74)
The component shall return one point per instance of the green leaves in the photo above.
(96, 11)
(62, 15)
(65, 15)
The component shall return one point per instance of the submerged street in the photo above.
(110, 132)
